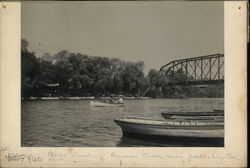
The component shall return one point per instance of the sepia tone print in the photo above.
(122, 74)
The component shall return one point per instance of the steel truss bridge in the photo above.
(202, 70)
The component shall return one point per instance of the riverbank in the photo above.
(80, 98)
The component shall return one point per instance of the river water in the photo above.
(74, 123)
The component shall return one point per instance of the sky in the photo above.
(153, 32)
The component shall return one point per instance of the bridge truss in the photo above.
(202, 70)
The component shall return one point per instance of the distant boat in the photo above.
(49, 98)
(88, 98)
(218, 110)
(143, 97)
(33, 98)
(217, 118)
(170, 128)
(75, 98)
(102, 104)
(63, 98)
(197, 114)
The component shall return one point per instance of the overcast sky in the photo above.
(153, 32)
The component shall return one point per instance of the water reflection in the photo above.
(75, 123)
(145, 141)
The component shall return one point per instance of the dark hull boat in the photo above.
(171, 128)
(218, 110)
(194, 115)
(139, 140)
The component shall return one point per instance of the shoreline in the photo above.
(81, 98)
(98, 98)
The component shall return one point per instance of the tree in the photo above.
(29, 69)
(80, 74)
(132, 74)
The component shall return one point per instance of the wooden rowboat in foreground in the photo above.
(171, 128)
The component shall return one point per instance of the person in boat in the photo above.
(110, 100)
(103, 99)
(120, 101)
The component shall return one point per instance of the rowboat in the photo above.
(88, 98)
(102, 104)
(75, 98)
(194, 115)
(50, 98)
(171, 128)
(218, 110)
(217, 118)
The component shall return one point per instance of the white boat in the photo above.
(88, 98)
(74, 98)
(32, 98)
(50, 98)
(171, 128)
(102, 104)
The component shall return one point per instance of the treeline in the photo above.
(83, 75)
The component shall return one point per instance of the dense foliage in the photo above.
(83, 75)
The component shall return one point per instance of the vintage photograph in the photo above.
(122, 74)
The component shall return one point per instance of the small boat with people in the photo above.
(193, 115)
(104, 104)
(108, 102)
(171, 128)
